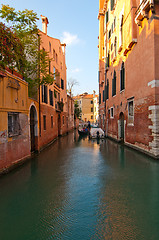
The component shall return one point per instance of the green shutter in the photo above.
(112, 4)
(107, 17)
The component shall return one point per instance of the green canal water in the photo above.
(81, 189)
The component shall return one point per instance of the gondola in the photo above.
(83, 132)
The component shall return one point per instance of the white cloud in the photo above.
(76, 70)
(69, 38)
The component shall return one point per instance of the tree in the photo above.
(11, 48)
(77, 110)
(71, 83)
(34, 62)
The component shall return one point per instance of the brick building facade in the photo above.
(28, 125)
(54, 102)
(129, 73)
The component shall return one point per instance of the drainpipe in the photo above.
(39, 88)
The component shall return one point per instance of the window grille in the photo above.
(130, 109)
(112, 112)
(14, 128)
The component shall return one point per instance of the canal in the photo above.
(81, 189)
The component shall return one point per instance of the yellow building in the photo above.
(88, 103)
(15, 143)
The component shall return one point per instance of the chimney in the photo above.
(63, 45)
(45, 22)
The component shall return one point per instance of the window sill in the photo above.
(10, 135)
(122, 91)
(120, 48)
(130, 125)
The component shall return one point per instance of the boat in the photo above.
(97, 133)
(83, 132)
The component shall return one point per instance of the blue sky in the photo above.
(76, 23)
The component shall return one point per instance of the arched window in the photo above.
(114, 84)
(122, 77)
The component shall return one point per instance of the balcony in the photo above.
(142, 11)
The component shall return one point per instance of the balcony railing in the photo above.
(142, 10)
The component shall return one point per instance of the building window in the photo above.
(112, 4)
(51, 97)
(53, 54)
(115, 47)
(114, 84)
(62, 83)
(44, 93)
(122, 77)
(52, 122)
(109, 34)
(63, 120)
(108, 60)
(131, 112)
(44, 122)
(14, 128)
(107, 90)
(99, 98)
(112, 112)
(114, 22)
(50, 46)
(112, 27)
(107, 17)
(91, 117)
(112, 47)
(108, 113)
(103, 96)
(91, 101)
(91, 109)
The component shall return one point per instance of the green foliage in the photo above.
(11, 48)
(77, 110)
(28, 59)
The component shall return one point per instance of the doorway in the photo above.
(33, 128)
(121, 127)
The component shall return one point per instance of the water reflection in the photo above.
(82, 189)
